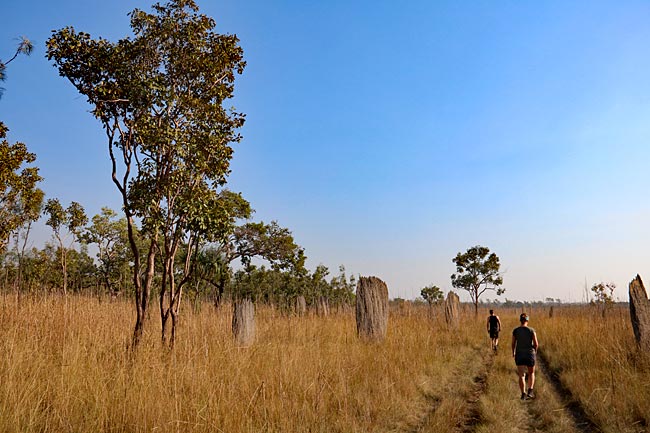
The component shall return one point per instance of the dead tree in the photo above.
(372, 308)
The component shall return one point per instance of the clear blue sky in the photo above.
(388, 136)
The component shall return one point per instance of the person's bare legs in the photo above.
(531, 377)
(521, 371)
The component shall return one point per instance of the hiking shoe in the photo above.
(531, 394)
(523, 396)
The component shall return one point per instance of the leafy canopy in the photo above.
(20, 199)
(477, 270)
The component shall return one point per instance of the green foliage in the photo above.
(432, 294)
(159, 96)
(73, 219)
(477, 271)
(20, 199)
(111, 237)
(281, 287)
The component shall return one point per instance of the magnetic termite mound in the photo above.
(372, 308)
(243, 322)
(452, 310)
(640, 313)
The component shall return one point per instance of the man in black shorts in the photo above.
(524, 349)
(493, 328)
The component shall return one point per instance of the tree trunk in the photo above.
(142, 291)
(640, 313)
(243, 322)
(372, 308)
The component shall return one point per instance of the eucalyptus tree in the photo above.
(159, 96)
(270, 242)
(67, 225)
(478, 270)
(113, 252)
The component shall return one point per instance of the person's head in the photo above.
(523, 318)
(491, 312)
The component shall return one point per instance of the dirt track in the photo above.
(490, 401)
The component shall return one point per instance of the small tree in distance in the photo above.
(477, 271)
(74, 219)
(432, 294)
(603, 295)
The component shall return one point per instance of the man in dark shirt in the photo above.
(524, 349)
(493, 328)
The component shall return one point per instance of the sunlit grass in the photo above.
(65, 366)
(598, 361)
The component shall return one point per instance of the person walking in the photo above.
(493, 328)
(524, 350)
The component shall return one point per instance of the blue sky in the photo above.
(388, 136)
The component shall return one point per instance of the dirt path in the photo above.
(454, 407)
(583, 422)
(482, 396)
(473, 415)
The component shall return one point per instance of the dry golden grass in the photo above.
(598, 361)
(64, 366)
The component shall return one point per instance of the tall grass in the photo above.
(64, 366)
(598, 361)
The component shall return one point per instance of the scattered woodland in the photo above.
(179, 312)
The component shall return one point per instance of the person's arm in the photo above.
(535, 342)
(498, 324)
(487, 324)
(514, 344)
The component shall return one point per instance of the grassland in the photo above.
(64, 366)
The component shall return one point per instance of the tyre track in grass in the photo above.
(472, 416)
(458, 384)
(572, 406)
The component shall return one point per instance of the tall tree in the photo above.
(73, 219)
(159, 96)
(477, 271)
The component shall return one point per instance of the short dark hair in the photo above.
(491, 311)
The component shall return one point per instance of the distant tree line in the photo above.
(259, 261)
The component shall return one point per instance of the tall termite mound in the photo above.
(640, 313)
(322, 307)
(372, 308)
(301, 306)
(452, 310)
(243, 322)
